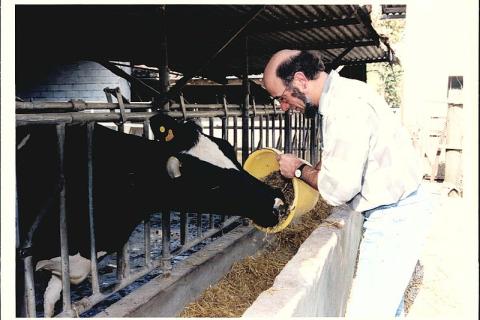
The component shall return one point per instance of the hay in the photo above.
(240, 287)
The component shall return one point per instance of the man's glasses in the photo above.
(281, 98)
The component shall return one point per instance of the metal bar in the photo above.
(183, 228)
(189, 75)
(210, 126)
(146, 223)
(280, 133)
(163, 72)
(260, 141)
(166, 263)
(235, 134)
(123, 263)
(199, 224)
(67, 303)
(274, 128)
(87, 302)
(29, 297)
(122, 74)
(210, 221)
(245, 106)
(335, 63)
(267, 131)
(93, 250)
(80, 117)
(252, 134)
(288, 132)
(224, 128)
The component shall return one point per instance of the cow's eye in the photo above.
(162, 129)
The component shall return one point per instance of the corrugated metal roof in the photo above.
(195, 34)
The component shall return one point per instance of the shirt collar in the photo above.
(324, 97)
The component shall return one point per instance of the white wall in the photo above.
(441, 40)
(76, 80)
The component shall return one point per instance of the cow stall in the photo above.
(182, 233)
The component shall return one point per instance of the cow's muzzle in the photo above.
(279, 209)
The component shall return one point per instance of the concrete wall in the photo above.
(317, 281)
(65, 81)
(167, 297)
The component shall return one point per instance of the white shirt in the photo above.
(368, 158)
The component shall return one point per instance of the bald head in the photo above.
(282, 66)
(270, 77)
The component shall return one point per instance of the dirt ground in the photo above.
(449, 284)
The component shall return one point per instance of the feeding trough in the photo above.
(262, 163)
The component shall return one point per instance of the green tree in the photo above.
(390, 76)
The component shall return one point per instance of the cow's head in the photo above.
(176, 135)
(206, 188)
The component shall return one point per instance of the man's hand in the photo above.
(288, 163)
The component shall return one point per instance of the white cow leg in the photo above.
(51, 295)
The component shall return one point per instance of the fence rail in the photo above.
(260, 126)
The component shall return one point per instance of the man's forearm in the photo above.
(310, 176)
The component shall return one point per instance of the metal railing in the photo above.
(260, 126)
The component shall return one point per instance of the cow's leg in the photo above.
(51, 295)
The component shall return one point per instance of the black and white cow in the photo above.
(132, 178)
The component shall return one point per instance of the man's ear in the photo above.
(301, 79)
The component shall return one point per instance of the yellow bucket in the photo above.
(263, 162)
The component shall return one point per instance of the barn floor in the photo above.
(449, 286)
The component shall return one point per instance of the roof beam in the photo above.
(319, 46)
(183, 81)
(260, 28)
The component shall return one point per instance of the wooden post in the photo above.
(454, 134)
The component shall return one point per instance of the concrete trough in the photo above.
(315, 282)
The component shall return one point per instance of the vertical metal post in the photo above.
(260, 138)
(235, 135)
(225, 119)
(29, 282)
(93, 250)
(252, 133)
(199, 224)
(123, 265)
(183, 227)
(123, 257)
(288, 132)
(67, 303)
(267, 131)
(245, 106)
(210, 126)
(163, 71)
(280, 132)
(29, 298)
(166, 263)
(146, 223)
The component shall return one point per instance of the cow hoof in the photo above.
(279, 209)
(173, 167)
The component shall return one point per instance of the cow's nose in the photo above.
(173, 167)
(279, 208)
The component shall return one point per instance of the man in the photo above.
(369, 163)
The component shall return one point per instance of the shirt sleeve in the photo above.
(347, 138)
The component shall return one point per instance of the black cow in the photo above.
(130, 181)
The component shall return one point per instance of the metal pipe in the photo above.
(29, 297)
(79, 118)
(183, 228)
(146, 223)
(88, 302)
(166, 264)
(67, 303)
(93, 251)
